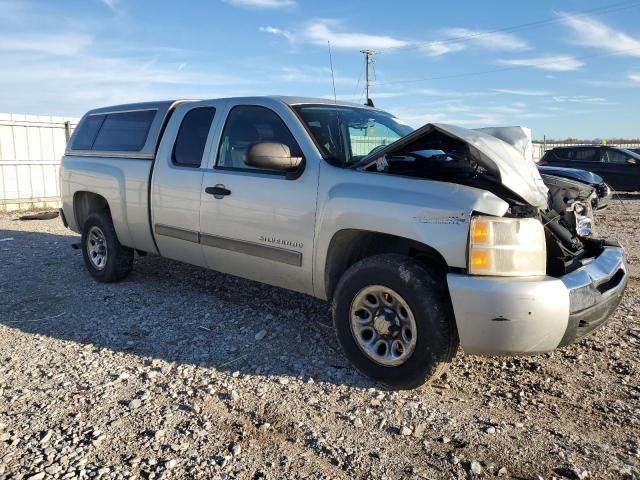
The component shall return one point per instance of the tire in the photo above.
(98, 235)
(424, 297)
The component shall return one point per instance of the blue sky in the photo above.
(566, 73)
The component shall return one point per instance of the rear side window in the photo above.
(124, 132)
(563, 153)
(586, 155)
(87, 131)
(192, 137)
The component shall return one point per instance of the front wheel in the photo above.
(106, 259)
(394, 321)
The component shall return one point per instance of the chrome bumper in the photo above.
(500, 315)
(595, 291)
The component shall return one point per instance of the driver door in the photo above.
(618, 171)
(257, 223)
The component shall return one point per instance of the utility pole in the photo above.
(367, 63)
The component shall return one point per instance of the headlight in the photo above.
(583, 217)
(507, 246)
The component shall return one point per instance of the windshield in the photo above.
(345, 135)
(631, 153)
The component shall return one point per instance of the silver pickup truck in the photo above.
(421, 240)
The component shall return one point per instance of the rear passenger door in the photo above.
(177, 181)
(262, 226)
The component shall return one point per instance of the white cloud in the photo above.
(313, 74)
(77, 78)
(57, 45)
(451, 93)
(533, 115)
(524, 93)
(112, 4)
(581, 99)
(76, 83)
(508, 109)
(590, 32)
(279, 32)
(321, 31)
(553, 63)
(488, 40)
(435, 49)
(630, 81)
(451, 96)
(261, 3)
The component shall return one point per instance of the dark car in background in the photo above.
(620, 168)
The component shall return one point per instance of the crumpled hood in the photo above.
(515, 172)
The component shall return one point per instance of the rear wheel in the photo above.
(105, 258)
(394, 320)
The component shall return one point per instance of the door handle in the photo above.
(219, 191)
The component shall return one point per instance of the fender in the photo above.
(436, 214)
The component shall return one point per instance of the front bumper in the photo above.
(502, 315)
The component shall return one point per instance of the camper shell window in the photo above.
(114, 132)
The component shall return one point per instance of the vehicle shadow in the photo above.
(169, 311)
(625, 196)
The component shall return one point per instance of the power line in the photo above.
(505, 69)
(523, 26)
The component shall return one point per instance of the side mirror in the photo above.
(272, 156)
(631, 161)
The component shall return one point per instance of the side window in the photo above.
(192, 137)
(563, 153)
(614, 156)
(124, 132)
(247, 125)
(87, 132)
(586, 155)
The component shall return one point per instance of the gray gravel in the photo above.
(179, 372)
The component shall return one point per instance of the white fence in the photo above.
(30, 150)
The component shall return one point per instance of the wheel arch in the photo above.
(349, 246)
(85, 203)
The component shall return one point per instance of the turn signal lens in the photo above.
(480, 232)
(480, 259)
(507, 246)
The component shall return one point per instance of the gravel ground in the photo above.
(179, 372)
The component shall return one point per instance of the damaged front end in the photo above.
(568, 282)
(480, 159)
(569, 221)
